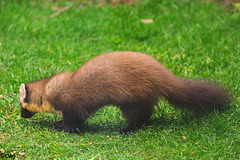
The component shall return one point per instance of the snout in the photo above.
(26, 113)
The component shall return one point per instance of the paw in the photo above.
(124, 131)
(58, 123)
(60, 126)
(57, 128)
(71, 129)
(65, 128)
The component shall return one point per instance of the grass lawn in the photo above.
(193, 39)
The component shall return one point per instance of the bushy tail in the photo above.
(198, 95)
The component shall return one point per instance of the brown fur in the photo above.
(130, 80)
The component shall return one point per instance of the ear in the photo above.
(22, 93)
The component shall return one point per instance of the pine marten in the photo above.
(130, 80)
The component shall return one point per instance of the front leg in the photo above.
(70, 123)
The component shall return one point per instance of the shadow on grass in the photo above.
(159, 121)
(113, 126)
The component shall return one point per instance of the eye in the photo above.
(41, 100)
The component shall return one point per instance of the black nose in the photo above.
(25, 113)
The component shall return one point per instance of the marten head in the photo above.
(26, 102)
(33, 99)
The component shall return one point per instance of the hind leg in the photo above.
(137, 116)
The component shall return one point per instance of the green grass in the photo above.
(193, 39)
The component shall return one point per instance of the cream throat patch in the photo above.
(44, 108)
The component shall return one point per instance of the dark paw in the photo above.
(65, 128)
(125, 131)
(58, 123)
(54, 128)
(57, 126)
(71, 129)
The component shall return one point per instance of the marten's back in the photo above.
(117, 77)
